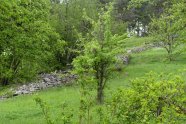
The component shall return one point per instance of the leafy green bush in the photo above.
(25, 40)
(151, 99)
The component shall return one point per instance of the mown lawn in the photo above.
(23, 109)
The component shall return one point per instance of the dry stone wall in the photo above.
(45, 81)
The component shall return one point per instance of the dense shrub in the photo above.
(151, 99)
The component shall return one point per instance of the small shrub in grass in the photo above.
(151, 99)
(64, 118)
(87, 102)
(66, 114)
(45, 110)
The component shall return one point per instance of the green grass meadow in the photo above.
(24, 110)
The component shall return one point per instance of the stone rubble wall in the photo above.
(45, 81)
(65, 77)
(126, 57)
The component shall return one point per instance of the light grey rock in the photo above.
(46, 79)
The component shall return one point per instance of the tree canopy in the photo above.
(25, 37)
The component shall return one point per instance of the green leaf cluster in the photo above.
(151, 99)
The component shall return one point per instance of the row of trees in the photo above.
(38, 36)
(138, 17)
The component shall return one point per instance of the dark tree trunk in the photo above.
(159, 111)
(5, 81)
(170, 51)
(100, 94)
(138, 29)
(159, 107)
(100, 84)
(170, 55)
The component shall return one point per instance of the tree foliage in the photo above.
(25, 39)
(96, 62)
(168, 29)
(66, 18)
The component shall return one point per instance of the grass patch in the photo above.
(23, 109)
(136, 41)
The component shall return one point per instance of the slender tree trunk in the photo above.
(100, 85)
(138, 29)
(170, 52)
(100, 94)
(170, 55)
(66, 37)
(5, 81)
(159, 108)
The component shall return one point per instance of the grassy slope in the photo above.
(23, 109)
